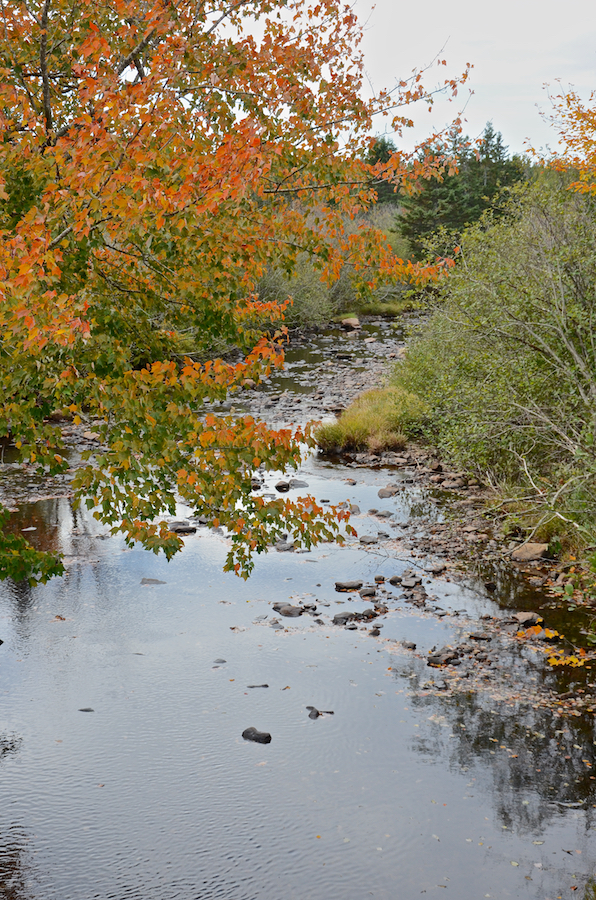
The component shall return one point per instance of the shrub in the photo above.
(507, 362)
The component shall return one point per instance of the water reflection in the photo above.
(155, 796)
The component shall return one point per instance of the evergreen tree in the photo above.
(458, 199)
(380, 152)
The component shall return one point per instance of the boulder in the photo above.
(351, 323)
(529, 552)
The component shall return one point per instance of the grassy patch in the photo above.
(377, 420)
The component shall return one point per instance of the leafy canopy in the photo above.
(154, 159)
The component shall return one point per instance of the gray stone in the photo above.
(388, 491)
(290, 612)
(348, 585)
(284, 547)
(152, 581)
(368, 592)
(410, 581)
(259, 737)
(369, 539)
(343, 618)
(182, 528)
(282, 486)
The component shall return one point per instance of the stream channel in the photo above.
(123, 771)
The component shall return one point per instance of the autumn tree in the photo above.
(155, 157)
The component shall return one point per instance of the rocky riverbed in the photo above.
(349, 719)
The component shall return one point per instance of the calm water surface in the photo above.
(154, 795)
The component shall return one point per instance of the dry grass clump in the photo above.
(377, 420)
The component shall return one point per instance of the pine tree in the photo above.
(453, 201)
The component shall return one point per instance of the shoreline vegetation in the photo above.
(500, 371)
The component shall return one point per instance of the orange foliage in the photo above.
(155, 159)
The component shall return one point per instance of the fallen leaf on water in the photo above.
(513, 863)
(287, 688)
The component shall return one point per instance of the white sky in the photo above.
(515, 46)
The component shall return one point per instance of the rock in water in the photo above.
(259, 737)
(343, 618)
(291, 612)
(181, 528)
(348, 585)
(315, 713)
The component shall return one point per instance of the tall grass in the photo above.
(377, 420)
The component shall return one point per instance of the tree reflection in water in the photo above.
(14, 879)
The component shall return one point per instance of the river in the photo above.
(123, 771)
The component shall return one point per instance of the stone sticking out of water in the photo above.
(259, 737)
(344, 586)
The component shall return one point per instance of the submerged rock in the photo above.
(315, 713)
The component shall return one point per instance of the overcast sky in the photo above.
(515, 46)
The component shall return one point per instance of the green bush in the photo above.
(507, 362)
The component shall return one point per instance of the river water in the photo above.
(124, 775)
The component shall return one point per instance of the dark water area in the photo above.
(124, 775)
